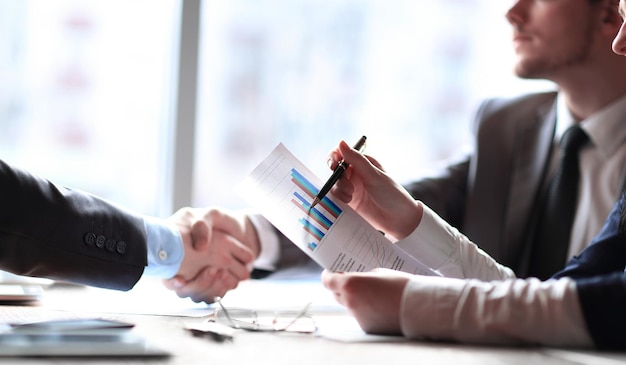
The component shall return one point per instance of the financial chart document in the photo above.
(333, 234)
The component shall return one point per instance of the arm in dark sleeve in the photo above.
(603, 302)
(601, 284)
(605, 254)
(445, 193)
(50, 231)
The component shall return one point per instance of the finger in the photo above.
(354, 157)
(375, 162)
(343, 186)
(335, 282)
(232, 253)
(362, 166)
(342, 195)
(223, 282)
(241, 252)
(227, 281)
(202, 286)
(333, 159)
(238, 271)
(225, 221)
(175, 283)
(330, 280)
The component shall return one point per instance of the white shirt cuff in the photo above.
(269, 245)
(433, 240)
(165, 248)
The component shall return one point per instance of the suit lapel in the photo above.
(533, 143)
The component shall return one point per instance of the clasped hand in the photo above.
(216, 258)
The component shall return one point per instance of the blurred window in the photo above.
(406, 73)
(86, 94)
(88, 87)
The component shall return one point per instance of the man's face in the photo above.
(619, 44)
(550, 36)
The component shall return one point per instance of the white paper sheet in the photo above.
(331, 233)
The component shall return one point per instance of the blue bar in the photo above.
(306, 183)
(314, 230)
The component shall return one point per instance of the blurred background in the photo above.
(160, 104)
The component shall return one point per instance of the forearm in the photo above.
(500, 312)
(49, 231)
(444, 249)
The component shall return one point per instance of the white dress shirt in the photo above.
(481, 301)
(602, 168)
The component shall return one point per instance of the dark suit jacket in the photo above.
(58, 233)
(492, 196)
(601, 283)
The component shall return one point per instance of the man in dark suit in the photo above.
(495, 195)
(54, 232)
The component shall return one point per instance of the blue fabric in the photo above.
(601, 283)
(162, 237)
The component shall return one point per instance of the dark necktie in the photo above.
(555, 224)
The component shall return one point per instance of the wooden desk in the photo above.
(280, 348)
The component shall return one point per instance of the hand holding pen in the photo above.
(374, 195)
(339, 170)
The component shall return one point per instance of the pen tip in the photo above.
(315, 201)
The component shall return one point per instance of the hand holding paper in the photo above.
(331, 233)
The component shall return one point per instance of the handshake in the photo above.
(219, 249)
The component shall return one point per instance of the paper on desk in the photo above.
(331, 233)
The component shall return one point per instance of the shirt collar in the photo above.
(605, 128)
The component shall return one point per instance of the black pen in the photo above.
(339, 170)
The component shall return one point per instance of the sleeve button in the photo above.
(89, 238)
(121, 247)
(110, 245)
(162, 255)
(100, 240)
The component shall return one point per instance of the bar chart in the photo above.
(331, 233)
(315, 221)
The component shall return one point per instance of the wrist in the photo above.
(411, 220)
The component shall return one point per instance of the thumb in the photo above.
(200, 234)
(227, 222)
(175, 282)
(358, 161)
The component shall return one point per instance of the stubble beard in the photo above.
(550, 65)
